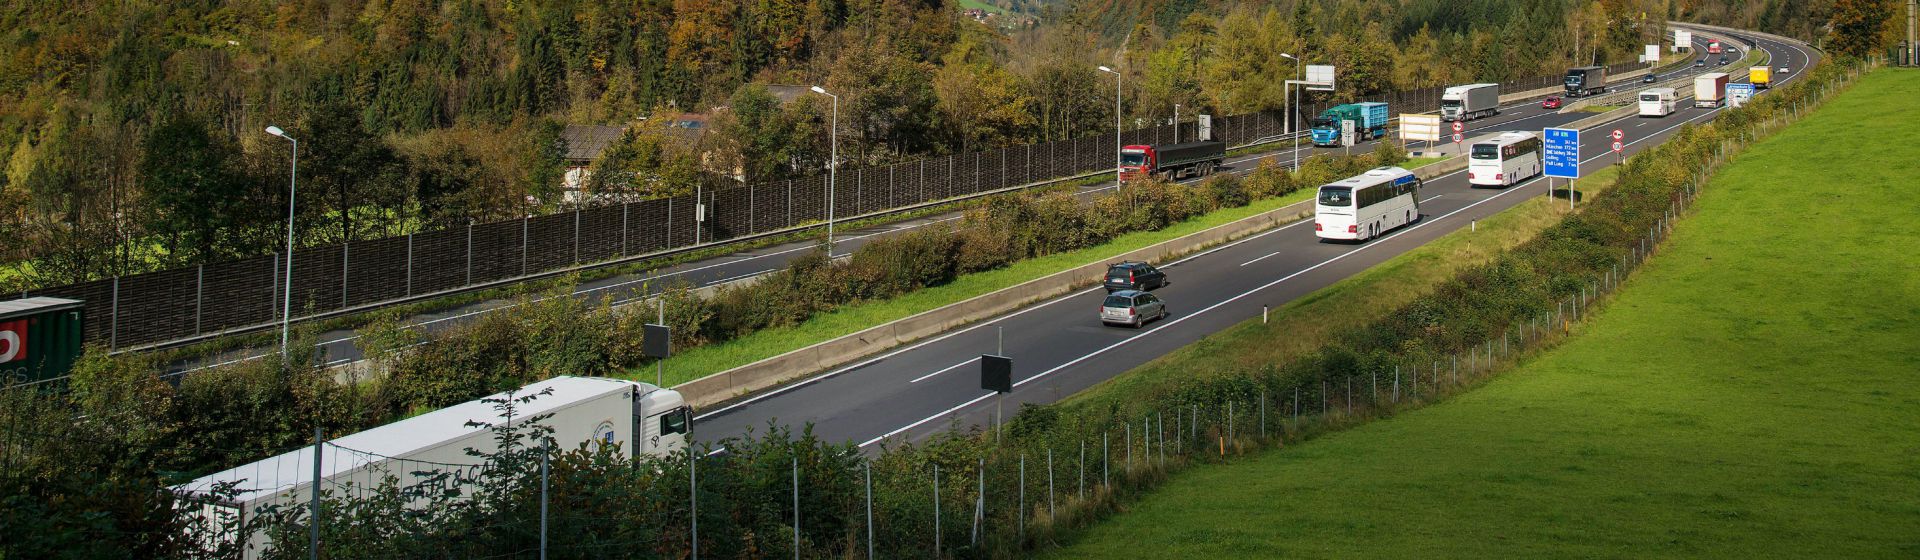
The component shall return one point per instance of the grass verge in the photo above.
(1309, 322)
(1751, 393)
(712, 358)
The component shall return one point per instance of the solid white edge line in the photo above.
(1423, 223)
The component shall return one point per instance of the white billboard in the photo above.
(1320, 76)
(1653, 54)
(1683, 38)
(1420, 127)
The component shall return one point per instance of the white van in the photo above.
(1658, 102)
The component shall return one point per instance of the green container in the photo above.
(39, 338)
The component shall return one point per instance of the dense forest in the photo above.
(133, 130)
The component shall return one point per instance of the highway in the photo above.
(1058, 346)
(338, 347)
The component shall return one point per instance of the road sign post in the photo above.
(1618, 156)
(1561, 155)
(1459, 135)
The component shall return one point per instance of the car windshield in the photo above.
(1336, 196)
(1133, 159)
(1118, 301)
(1486, 151)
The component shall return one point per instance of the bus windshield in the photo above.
(1650, 97)
(1486, 151)
(1133, 159)
(1336, 196)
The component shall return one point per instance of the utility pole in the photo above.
(1913, 32)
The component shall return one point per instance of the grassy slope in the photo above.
(1752, 393)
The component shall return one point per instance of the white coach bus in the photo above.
(1658, 102)
(1505, 160)
(1365, 205)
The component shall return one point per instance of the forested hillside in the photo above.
(133, 130)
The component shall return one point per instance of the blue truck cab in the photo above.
(1369, 122)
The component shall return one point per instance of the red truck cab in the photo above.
(1137, 161)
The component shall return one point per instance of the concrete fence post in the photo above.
(1049, 484)
(789, 202)
(1105, 480)
(199, 293)
(625, 209)
(867, 467)
(345, 262)
(693, 499)
(113, 327)
(576, 236)
(469, 252)
(796, 506)
(1022, 512)
(409, 264)
(524, 221)
(980, 503)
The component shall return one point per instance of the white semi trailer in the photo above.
(1468, 102)
(640, 418)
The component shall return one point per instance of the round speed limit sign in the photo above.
(1618, 135)
(1616, 147)
(1458, 127)
(1457, 137)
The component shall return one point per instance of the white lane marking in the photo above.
(924, 343)
(944, 370)
(1168, 324)
(747, 275)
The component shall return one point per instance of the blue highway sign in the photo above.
(1561, 152)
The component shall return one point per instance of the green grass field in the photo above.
(1752, 393)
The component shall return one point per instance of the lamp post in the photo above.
(833, 163)
(1116, 126)
(293, 187)
(1292, 104)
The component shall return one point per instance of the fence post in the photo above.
(936, 510)
(545, 451)
(1023, 498)
(625, 209)
(1083, 470)
(576, 236)
(789, 202)
(523, 244)
(796, 506)
(469, 252)
(1104, 479)
(1179, 443)
(980, 502)
(1129, 458)
(868, 466)
(113, 327)
(693, 499)
(345, 260)
(199, 293)
(1296, 404)
(1263, 413)
(313, 502)
(409, 264)
(1396, 385)
(1049, 484)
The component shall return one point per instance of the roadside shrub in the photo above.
(1228, 191)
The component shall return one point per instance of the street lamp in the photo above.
(1295, 103)
(293, 187)
(1116, 126)
(833, 163)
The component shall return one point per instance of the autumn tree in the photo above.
(1858, 27)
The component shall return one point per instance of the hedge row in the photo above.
(78, 465)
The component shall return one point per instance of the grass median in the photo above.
(1749, 394)
(713, 358)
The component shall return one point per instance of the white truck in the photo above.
(640, 418)
(1710, 90)
(1468, 102)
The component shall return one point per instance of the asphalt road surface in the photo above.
(1059, 346)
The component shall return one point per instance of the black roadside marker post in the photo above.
(996, 374)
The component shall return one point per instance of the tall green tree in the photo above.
(197, 198)
(1858, 27)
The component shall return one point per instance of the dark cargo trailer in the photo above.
(39, 338)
